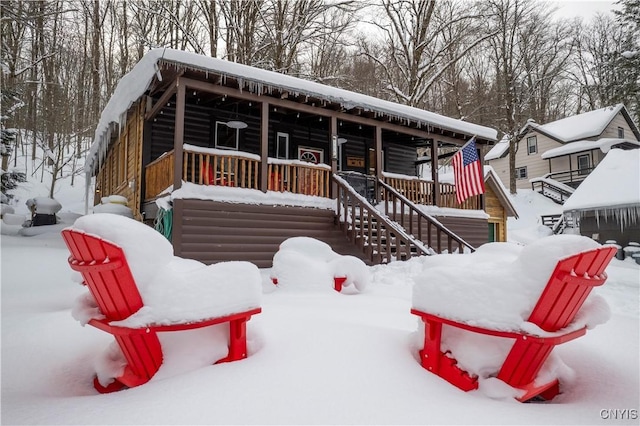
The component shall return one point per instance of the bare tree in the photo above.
(603, 73)
(509, 17)
(547, 48)
(418, 39)
(242, 30)
(291, 25)
(209, 14)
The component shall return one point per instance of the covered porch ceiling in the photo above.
(304, 99)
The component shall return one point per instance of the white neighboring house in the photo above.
(564, 151)
(607, 203)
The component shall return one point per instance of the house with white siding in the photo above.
(564, 151)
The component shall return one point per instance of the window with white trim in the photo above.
(532, 145)
(226, 137)
(282, 145)
(620, 133)
(521, 172)
(584, 164)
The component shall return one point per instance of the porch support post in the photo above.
(178, 135)
(434, 172)
(379, 159)
(264, 146)
(570, 170)
(333, 132)
(379, 166)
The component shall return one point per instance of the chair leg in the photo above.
(111, 387)
(237, 340)
(545, 392)
(439, 363)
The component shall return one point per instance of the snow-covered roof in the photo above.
(615, 181)
(581, 126)
(498, 149)
(137, 81)
(603, 144)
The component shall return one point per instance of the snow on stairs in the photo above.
(556, 191)
(557, 222)
(384, 239)
(378, 244)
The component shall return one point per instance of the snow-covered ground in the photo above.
(315, 356)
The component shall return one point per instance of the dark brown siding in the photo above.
(399, 158)
(473, 230)
(213, 232)
(608, 228)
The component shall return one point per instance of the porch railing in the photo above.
(219, 167)
(420, 191)
(572, 178)
(236, 169)
(298, 177)
(158, 175)
(421, 225)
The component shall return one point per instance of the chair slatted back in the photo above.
(106, 272)
(571, 282)
(569, 285)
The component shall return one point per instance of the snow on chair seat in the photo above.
(137, 288)
(304, 262)
(494, 320)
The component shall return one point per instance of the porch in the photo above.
(215, 167)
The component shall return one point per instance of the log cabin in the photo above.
(228, 160)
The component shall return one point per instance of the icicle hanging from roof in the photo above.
(624, 216)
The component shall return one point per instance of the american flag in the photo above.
(467, 172)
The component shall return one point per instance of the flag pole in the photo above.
(459, 149)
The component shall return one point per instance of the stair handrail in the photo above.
(563, 190)
(559, 226)
(348, 200)
(422, 216)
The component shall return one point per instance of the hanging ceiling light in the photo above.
(237, 124)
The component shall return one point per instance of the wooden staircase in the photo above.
(552, 189)
(383, 239)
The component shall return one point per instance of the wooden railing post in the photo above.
(264, 146)
(178, 139)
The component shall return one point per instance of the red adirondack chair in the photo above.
(568, 287)
(106, 272)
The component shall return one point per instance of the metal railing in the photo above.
(570, 177)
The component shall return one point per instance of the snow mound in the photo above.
(174, 290)
(306, 263)
(496, 287)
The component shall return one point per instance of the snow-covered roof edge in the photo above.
(616, 180)
(499, 150)
(604, 144)
(136, 82)
(581, 126)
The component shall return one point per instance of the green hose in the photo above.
(164, 222)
